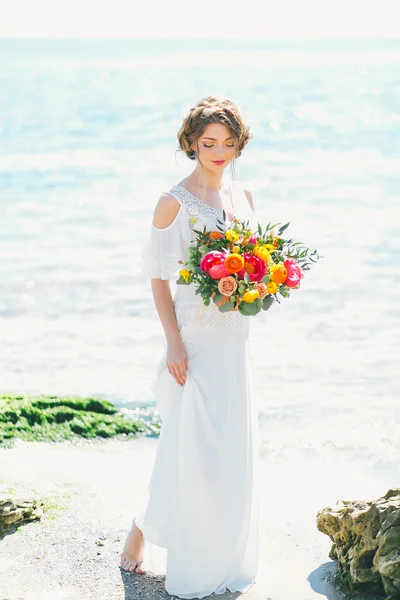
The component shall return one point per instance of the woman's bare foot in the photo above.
(133, 552)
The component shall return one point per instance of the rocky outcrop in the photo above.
(15, 510)
(366, 542)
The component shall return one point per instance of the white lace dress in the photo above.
(202, 499)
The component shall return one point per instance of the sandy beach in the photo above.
(73, 552)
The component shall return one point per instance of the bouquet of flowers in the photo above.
(243, 270)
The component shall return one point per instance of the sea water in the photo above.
(88, 143)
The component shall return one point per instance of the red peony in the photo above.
(294, 273)
(213, 263)
(255, 267)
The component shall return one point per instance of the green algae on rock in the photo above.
(366, 538)
(60, 418)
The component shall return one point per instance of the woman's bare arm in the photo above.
(165, 212)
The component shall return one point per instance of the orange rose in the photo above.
(234, 263)
(216, 235)
(262, 290)
(227, 285)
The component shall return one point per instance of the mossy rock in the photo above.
(18, 506)
(366, 542)
(56, 418)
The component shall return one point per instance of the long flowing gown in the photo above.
(202, 498)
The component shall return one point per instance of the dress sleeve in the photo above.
(163, 249)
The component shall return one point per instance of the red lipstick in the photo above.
(218, 162)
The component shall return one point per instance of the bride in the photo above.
(202, 499)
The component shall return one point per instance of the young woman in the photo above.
(202, 501)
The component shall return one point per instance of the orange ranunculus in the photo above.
(234, 262)
(278, 273)
(215, 235)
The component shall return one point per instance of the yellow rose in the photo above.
(185, 274)
(262, 252)
(272, 287)
(270, 247)
(250, 295)
(231, 235)
(236, 249)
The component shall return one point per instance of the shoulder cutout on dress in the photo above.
(168, 204)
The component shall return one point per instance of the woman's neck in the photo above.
(208, 179)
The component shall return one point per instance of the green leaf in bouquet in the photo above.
(282, 229)
(259, 228)
(217, 297)
(251, 308)
(284, 291)
(206, 301)
(258, 302)
(226, 307)
(267, 302)
(181, 282)
(250, 246)
(232, 298)
(204, 249)
(224, 214)
(243, 309)
(241, 289)
(265, 279)
(246, 277)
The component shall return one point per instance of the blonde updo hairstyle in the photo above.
(213, 109)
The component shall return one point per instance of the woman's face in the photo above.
(216, 147)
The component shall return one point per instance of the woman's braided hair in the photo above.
(213, 109)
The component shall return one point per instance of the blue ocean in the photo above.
(87, 144)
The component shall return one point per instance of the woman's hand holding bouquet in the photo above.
(244, 270)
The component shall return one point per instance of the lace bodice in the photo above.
(166, 246)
